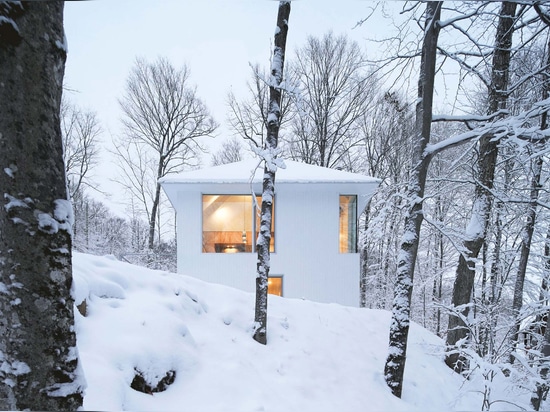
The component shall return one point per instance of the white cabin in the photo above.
(314, 251)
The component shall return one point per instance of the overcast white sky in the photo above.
(216, 38)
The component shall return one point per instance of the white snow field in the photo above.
(319, 357)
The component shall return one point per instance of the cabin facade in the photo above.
(314, 251)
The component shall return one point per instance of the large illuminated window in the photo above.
(230, 224)
(348, 224)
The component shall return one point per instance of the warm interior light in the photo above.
(224, 218)
(275, 285)
(348, 224)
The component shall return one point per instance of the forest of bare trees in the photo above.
(456, 238)
(475, 259)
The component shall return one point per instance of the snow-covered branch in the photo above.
(449, 22)
(269, 156)
(517, 127)
(469, 117)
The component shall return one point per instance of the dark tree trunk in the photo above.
(268, 191)
(156, 203)
(541, 390)
(488, 151)
(37, 339)
(542, 387)
(153, 218)
(399, 328)
(526, 237)
(364, 263)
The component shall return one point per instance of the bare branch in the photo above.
(162, 113)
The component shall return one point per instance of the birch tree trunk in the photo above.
(399, 328)
(37, 340)
(488, 150)
(269, 155)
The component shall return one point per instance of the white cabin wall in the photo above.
(237, 270)
(306, 248)
(308, 255)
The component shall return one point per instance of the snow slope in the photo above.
(318, 358)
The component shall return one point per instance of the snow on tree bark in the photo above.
(399, 327)
(488, 151)
(541, 387)
(526, 238)
(38, 355)
(269, 155)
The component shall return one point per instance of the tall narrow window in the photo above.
(348, 224)
(229, 224)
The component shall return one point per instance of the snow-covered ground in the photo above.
(318, 358)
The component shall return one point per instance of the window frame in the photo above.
(254, 199)
(354, 220)
(281, 277)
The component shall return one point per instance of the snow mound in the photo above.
(319, 357)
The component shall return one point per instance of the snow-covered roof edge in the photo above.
(241, 172)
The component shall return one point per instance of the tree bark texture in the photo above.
(399, 328)
(364, 262)
(268, 191)
(541, 387)
(483, 199)
(38, 354)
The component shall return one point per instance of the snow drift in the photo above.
(135, 321)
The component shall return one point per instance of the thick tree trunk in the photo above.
(37, 339)
(273, 122)
(483, 199)
(399, 328)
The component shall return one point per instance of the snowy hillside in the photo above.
(319, 357)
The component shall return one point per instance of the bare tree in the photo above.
(399, 329)
(248, 117)
(230, 152)
(386, 128)
(335, 90)
(80, 130)
(269, 156)
(163, 114)
(483, 200)
(37, 337)
(542, 386)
